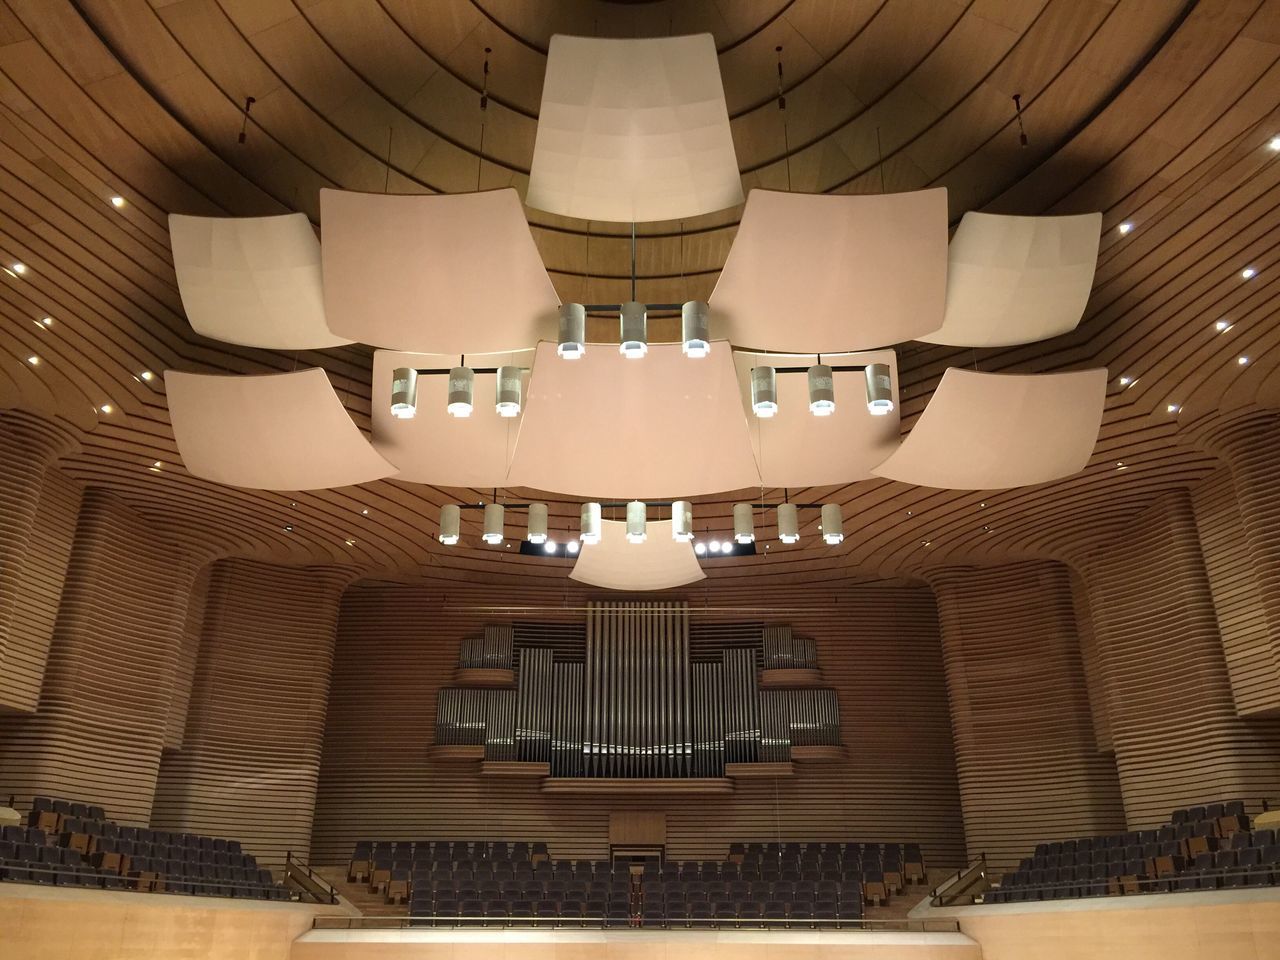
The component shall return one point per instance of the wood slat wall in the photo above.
(1027, 758)
(878, 647)
(1177, 738)
(99, 729)
(1095, 679)
(184, 675)
(251, 751)
(28, 446)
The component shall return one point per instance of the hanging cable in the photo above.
(1017, 109)
(633, 260)
(782, 109)
(386, 180)
(484, 112)
(879, 163)
(244, 120)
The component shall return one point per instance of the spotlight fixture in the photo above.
(695, 329)
(494, 527)
(571, 547)
(1248, 273)
(106, 408)
(549, 546)
(636, 522)
(404, 393)
(764, 391)
(462, 389)
(822, 390)
(46, 321)
(34, 361)
(1274, 144)
(573, 331)
(537, 532)
(682, 521)
(788, 523)
(832, 523)
(635, 335)
(714, 546)
(19, 268)
(1242, 360)
(117, 202)
(879, 389)
(450, 524)
(1172, 408)
(700, 549)
(744, 525)
(146, 376)
(509, 385)
(1125, 228)
(589, 523)
(1222, 326)
(1125, 381)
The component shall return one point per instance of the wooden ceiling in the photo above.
(1158, 113)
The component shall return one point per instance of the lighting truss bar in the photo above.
(444, 371)
(617, 504)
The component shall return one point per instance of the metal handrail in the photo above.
(963, 876)
(904, 925)
(128, 884)
(1166, 884)
(324, 891)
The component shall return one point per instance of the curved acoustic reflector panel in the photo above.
(446, 273)
(633, 130)
(658, 563)
(796, 449)
(254, 281)
(605, 427)
(985, 431)
(283, 431)
(1017, 279)
(823, 273)
(435, 447)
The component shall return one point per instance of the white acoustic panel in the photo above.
(633, 130)
(819, 273)
(796, 449)
(434, 447)
(254, 281)
(608, 428)
(283, 431)
(446, 273)
(986, 431)
(657, 564)
(1017, 280)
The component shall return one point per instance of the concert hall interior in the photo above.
(612, 478)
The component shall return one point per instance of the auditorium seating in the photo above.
(1200, 848)
(457, 882)
(74, 844)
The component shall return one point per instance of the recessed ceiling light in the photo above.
(549, 546)
(700, 549)
(982, 504)
(1274, 143)
(1248, 273)
(1124, 228)
(47, 321)
(926, 543)
(351, 543)
(1242, 360)
(908, 513)
(571, 546)
(1119, 464)
(117, 202)
(986, 529)
(288, 528)
(157, 465)
(1222, 326)
(1172, 408)
(146, 376)
(364, 512)
(105, 408)
(19, 268)
(34, 361)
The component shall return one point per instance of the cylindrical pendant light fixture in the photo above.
(494, 531)
(509, 385)
(832, 523)
(636, 522)
(589, 523)
(764, 391)
(788, 523)
(537, 532)
(635, 333)
(744, 524)
(682, 521)
(450, 524)
(573, 331)
(462, 382)
(404, 393)
(822, 390)
(879, 389)
(695, 329)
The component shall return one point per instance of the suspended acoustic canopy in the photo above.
(254, 281)
(828, 273)
(986, 431)
(608, 427)
(437, 447)
(445, 273)
(1014, 280)
(656, 563)
(282, 431)
(633, 130)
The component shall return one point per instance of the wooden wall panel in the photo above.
(1177, 738)
(28, 446)
(1028, 762)
(184, 675)
(251, 750)
(1242, 617)
(878, 647)
(99, 729)
(1094, 677)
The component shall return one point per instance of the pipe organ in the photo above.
(632, 697)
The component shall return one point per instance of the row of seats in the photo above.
(452, 851)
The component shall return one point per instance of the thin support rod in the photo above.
(633, 260)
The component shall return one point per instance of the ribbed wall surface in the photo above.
(877, 645)
(99, 729)
(184, 674)
(1177, 738)
(28, 445)
(1028, 764)
(1094, 676)
(251, 750)
(1244, 546)
(1242, 617)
